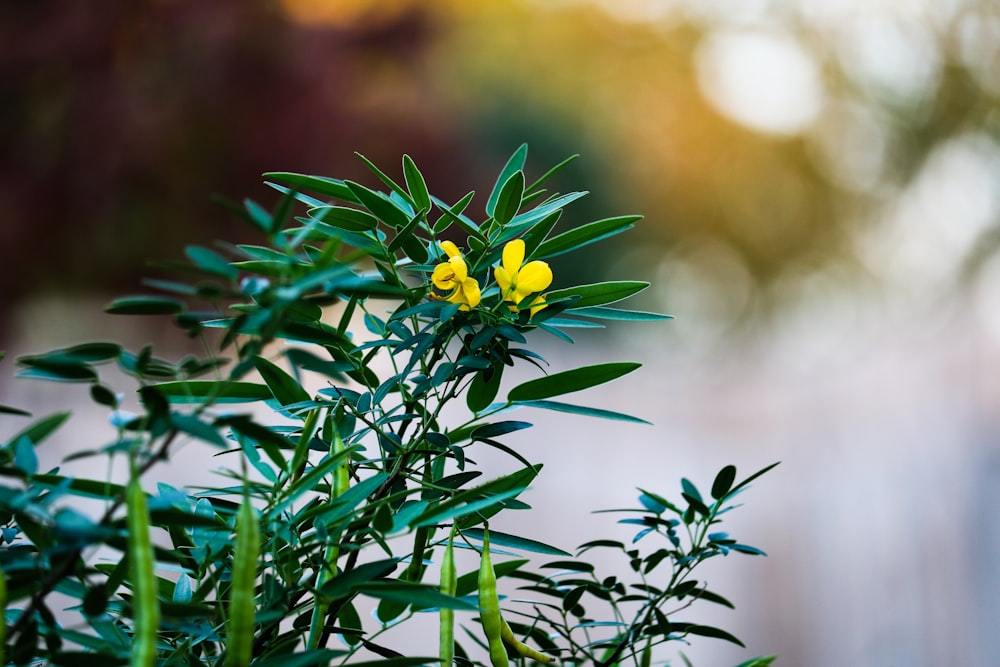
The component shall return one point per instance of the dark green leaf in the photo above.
(484, 388)
(284, 387)
(198, 429)
(498, 429)
(514, 542)
(704, 631)
(752, 477)
(144, 305)
(723, 482)
(585, 234)
(325, 186)
(42, 428)
(344, 583)
(381, 206)
(382, 176)
(598, 294)
(220, 392)
(514, 164)
(509, 200)
(210, 261)
(759, 662)
(582, 410)
(570, 381)
(416, 184)
(547, 175)
(605, 313)
(415, 594)
(342, 217)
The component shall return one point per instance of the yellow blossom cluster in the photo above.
(516, 280)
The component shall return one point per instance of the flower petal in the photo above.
(444, 276)
(534, 277)
(504, 279)
(513, 256)
(470, 288)
(538, 304)
(460, 268)
(450, 249)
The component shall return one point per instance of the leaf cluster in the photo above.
(337, 325)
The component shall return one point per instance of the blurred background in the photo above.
(821, 186)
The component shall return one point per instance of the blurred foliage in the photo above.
(128, 113)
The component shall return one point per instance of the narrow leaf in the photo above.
(569, 381)
(515, 163)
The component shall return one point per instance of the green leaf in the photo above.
(467, 583)
(598, 294)
(509, 200)
(210, 261)
(585, 235)
(325, 186)
(569, 381)
(762, 661)
(416, 184)
(284, 387)
(515, 163)
(752, 477)
(380, 205)
(516, 542)
(343, 584)
(42, 428)
(440, 515)
(416, 594)
(532, 216)
(25, 458)
(704, 631)
(221, 392)
(144, 305)
(535, 187)
(83, 487)
(453, 214)
(57, 370)
(483, 389)
(198, 429)
(583, 410)
(604, 313)
(723, 482)
(351, 219)
(382, 176)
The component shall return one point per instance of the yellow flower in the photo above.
(453, 276)
(518, 282)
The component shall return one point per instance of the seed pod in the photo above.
(242, 607)
(449, 584)
(647, 655)
(507, 635)
(321, 605)
(145, 599)
(489, 606)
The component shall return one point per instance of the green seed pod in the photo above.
(489, 606)
(449, 584)
(242, 607)
(145, 594)
(321, 605)
(507, 635)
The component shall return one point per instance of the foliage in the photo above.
(346, 493)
